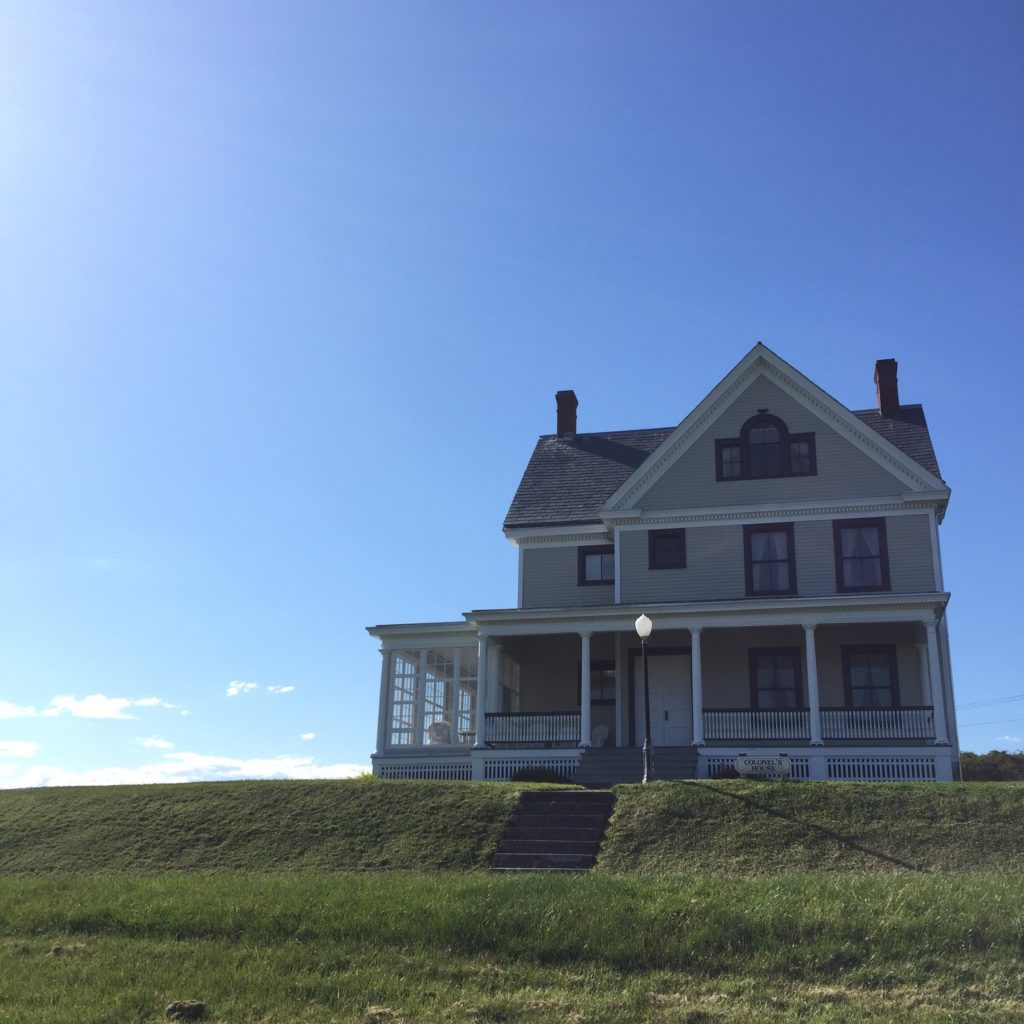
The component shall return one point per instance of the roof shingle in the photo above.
(569, 478)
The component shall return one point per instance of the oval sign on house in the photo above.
(779, 766)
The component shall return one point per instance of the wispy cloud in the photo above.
(156, 743)
(9, 710)
(280, 689)
(308, 736)
(181, 767)
(18, 748)
(235, 687)
(1008, 739)
(96, 705)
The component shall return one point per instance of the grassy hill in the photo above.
(714, 903)
(723, 827)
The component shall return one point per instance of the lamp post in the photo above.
(643, 630)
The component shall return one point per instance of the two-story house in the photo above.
(786, 550)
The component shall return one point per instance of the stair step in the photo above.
(549, 846)
(581, 796)
(561, 834)
(559, 820)
(576, 861)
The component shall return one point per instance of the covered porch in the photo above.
(512, 689)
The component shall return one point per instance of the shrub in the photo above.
(995, 766)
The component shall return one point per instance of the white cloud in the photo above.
(96, 705)
(183, 713)
(235, 687)
(182, 767)
(308, 736)
(8, 710)
(1009, 739)
(156, 743)
(280, 689)
(18, 748)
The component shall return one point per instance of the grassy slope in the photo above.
(328, 826)
(733, 827)
(748, 828)
(473, 948)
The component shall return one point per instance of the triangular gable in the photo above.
(762, 361)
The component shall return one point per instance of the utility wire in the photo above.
(989, 703)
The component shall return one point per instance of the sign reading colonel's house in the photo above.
(765, 767)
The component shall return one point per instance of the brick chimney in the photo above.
(565, 402)
(885, 386)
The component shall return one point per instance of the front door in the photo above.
(671, 699)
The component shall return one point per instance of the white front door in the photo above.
(671, 699)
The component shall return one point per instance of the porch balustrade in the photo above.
(560, 728)
(908, 723)
(730, 724)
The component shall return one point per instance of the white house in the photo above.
(786, 550)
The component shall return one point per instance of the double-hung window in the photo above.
(596, 565)
(770, 560)
(862, 554)
(775, 683)
(869, 676)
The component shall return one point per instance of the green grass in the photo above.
(356, 824)
(714, 903)
(734, 827)
(473, 947)
(749, 828)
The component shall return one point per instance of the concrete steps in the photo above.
(612, 766)
(554, 830)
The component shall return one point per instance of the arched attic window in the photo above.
(765, 449)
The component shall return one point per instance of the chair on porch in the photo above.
(599, 735)
(439, 732)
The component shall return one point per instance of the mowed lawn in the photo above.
(884, 939)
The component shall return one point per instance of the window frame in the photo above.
(838, 525)
(796, 653)
(748, 563)
(786, 441)
(847, 651)
(581, 565)
(652, 539)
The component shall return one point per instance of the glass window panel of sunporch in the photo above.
(438, 696)
(404, 675)
(467, 694)
(862, 556)
(769, 561)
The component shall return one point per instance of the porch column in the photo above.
(697, 684)
(813, 702)
(935, 677)
(584, 688)
(384, 713)
(481, 690)
(922, 668)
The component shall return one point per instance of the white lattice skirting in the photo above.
(441, 771)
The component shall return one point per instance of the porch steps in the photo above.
(554, 830)
(612, 766)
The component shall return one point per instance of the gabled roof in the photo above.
(570, 479)
(908, 430)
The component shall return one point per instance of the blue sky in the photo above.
(286, 291)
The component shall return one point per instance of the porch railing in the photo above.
(908, 723)
(559, 728)
(730, 724)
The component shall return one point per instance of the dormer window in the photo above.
(765, 449)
